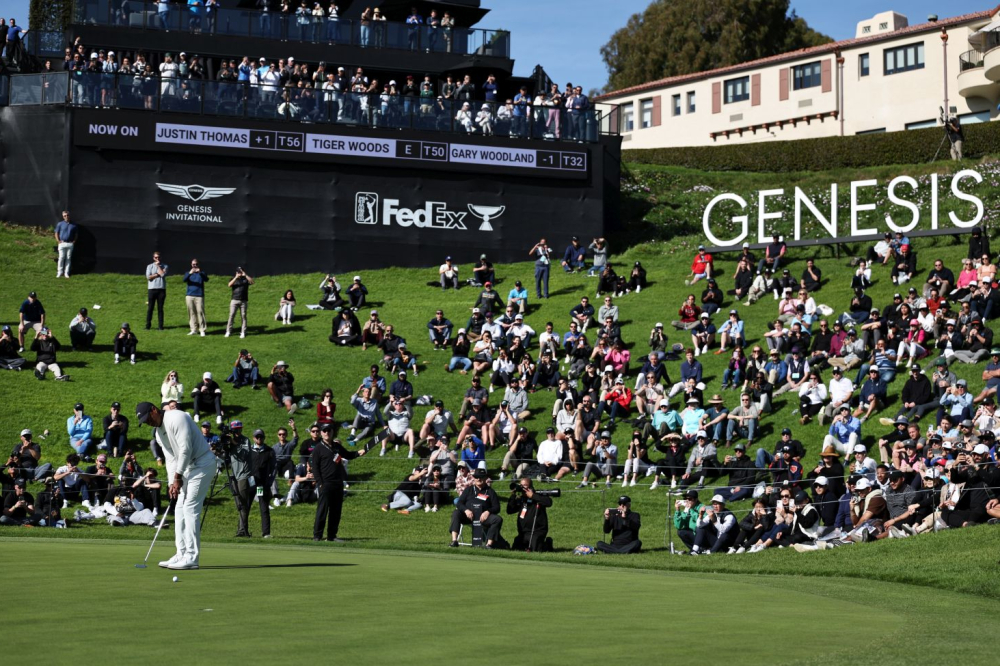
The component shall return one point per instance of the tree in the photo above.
(671, 38)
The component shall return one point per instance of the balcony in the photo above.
(972, 81)
(306, 106)
(990, 49)
(287, 27)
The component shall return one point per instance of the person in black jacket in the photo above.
(623, 524)
(125, 343)
(346, 329)
(978, 244)
(45, 347)
(742, 475)
(478, 503)
(825, 502)
(917, 396)
(328, 467)
(532, 518)
(980, 476)
(905, 266)
(281, 386)
(262, 469)
(754, 526)
(207, 394)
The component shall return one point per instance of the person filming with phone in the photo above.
(623, 524)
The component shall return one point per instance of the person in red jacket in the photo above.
(702, 267)
(688, 313)
(617, 402)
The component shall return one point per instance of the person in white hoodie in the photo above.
(190, 467)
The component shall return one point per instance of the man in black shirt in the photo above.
(281, 386)
(623, 525)
(240, 284)
(489, 300)
(939, 278)
(917, 396)
(532, 518)
(115, 431)
(812, 277)
(28, 453)
(328, 468)
(45, 346)
(19, 507)
(478, 503)
(262, 466)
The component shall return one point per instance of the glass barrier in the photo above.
(294, 27)
(327, 105)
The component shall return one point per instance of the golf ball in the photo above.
(175, 579)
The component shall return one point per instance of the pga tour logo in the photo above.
(434, 214)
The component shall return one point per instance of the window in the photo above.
(880, 130)
(646, 113)
(628, 118)
(737, 90)
(922, 124)
(864, 64)
(904, 58)
(883, 26)
(675, 104)
(806, 76)
(691, 104)
(973, 118)
(866, 30)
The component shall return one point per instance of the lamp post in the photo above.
(944, 49)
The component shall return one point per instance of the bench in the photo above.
(837, 243)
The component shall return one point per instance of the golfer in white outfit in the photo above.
(190, 466)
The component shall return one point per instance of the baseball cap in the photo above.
(462, 463)
(438, 403)
(142, 411)
(659, 324)
(863, 483)
(258, 433)
(837, 371)
(207, 375)
(78, 406)
(691, 495)
(326, 427)
(624, 500)
(895, 475)
(357, 278)
(981, 449)
(487, 284)
(740, 447)
(786, 431)
(19, 482)
(116, 405)
(476, 310)
(962, 382)
(102, 458)
(605, 434)
(860, 448)
(480, 473)
(206, 424)
(701, 435)
(280, 364)
(26, 432)
(237, 425)
(822, 481)
(718, 499)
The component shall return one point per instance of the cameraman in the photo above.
(623, 524)
(953, 127)
(532, 519)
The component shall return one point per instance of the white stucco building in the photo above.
(892, 76)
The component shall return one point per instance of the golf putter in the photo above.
(162, 521)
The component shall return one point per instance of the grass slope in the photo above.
(385, 609)
(404, 300)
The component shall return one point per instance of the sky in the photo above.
(565, 36)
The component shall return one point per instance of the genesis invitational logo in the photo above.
(197, 193)
(433, 214)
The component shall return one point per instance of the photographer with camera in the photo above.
(605, 460)
(19, 507)
(532, 519)
(240, 284)
(331, 293)
(26, 454)
(981, 478)
(478, 506)
(623, 524)
(953, 127)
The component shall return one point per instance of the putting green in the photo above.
(283, 603)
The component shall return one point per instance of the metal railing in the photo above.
(970, 60)
(308, 105)
(293, 27)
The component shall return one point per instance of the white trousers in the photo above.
(65, 257)
(187, 514)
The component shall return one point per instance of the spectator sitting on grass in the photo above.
(399, 428)
(368, 415)
(80, 428)
(286, 308)
(607, 280)
(82, 331)
(604, 463)
(404, 499)
(125, 344)
(9, 358)
(45, 346)
(357, 294)
(281, 386)
(331, 293)
(245, 371)
(439, 328)
(19, 507)
(373, 331)
(71, 482)
(115, 431)
(518, 298)
(483, 272)
(171, 390)
(207, 394)
(689, 313)
(702, 267)
(573, 257)
(448, 275)
(703, 335)
(390, 345)
(346, 329)
(844, 432)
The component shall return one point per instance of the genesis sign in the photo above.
(194, 193)
(900, 191)
(432, 215)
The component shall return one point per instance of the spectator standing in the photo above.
(195, 298)
(240, 284)
(156, 290)
(543, 259)
(66, 233)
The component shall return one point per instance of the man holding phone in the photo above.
(240, 284)
(623, 524)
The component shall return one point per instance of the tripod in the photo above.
(233, 489)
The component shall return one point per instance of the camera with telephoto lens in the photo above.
(224, 446)
(555, 492)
